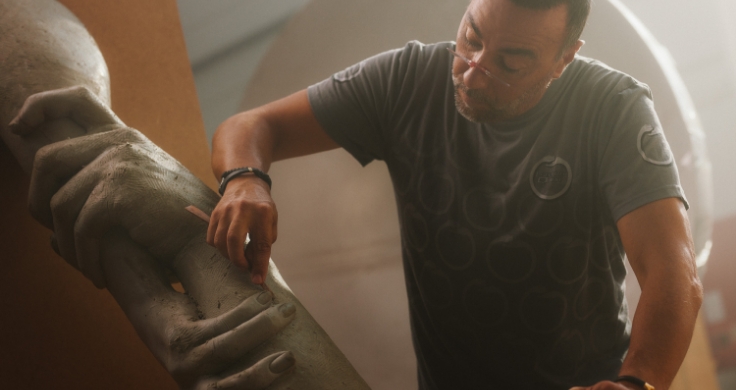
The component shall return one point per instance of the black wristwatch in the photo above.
(634, 380)
(233, 173)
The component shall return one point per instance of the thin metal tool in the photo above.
(478, 66)
(203, 216)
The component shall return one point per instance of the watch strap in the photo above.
(632, 379)
(233, 173)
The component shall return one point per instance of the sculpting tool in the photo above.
(203, 216)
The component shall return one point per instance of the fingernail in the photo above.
(282, 363)
(264, 297)
(257, 279)
(287, 309)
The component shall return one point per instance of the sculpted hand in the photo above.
(199, 353)
(82, 187)
(245, 208)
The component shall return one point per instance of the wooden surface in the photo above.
(56, 330)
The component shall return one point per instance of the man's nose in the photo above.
(474, 78)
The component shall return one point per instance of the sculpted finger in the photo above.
(245, 311)
(55, 164)
(75, 103)
(222, 350)
(97, 216)
(65, 206)
(260, 375)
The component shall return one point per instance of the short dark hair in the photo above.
(577, 15)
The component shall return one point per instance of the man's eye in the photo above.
(512, 65)
(472, 43)
(509, 69)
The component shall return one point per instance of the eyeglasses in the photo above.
(474, 64)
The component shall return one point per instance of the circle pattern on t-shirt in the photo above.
(590, 296)
(509, 260)
(551, 177)
(484, 209)
(417, 231)
(348, 73)
(485, 304)
(455, 246)
(653, 146)
(436, 191)
(538, 217)
(567, 260)
(543, 310)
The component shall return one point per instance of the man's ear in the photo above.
(567, 57)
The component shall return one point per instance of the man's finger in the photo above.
(258, 250)
(235, 243)
(75, 103)
(261, 374)
(258, 253)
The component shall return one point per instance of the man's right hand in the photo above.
(246, 208)
(279, 130)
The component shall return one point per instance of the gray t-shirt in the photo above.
(512, 259)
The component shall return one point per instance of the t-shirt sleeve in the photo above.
(637, 165)
(355, 106)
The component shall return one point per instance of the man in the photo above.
(522, 173)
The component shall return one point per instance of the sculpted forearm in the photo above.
(116, 203)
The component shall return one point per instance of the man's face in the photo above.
(519, 46)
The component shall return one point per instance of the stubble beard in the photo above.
(494, 112)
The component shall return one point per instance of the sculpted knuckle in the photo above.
(35, 98)
(81, 91)
(43, 157)
(179, 340)
(132, 135)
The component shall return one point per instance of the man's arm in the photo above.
(659, 247)
(279, 130)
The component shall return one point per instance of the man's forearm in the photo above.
(662, 328)
(244, 140)
(279, 130)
